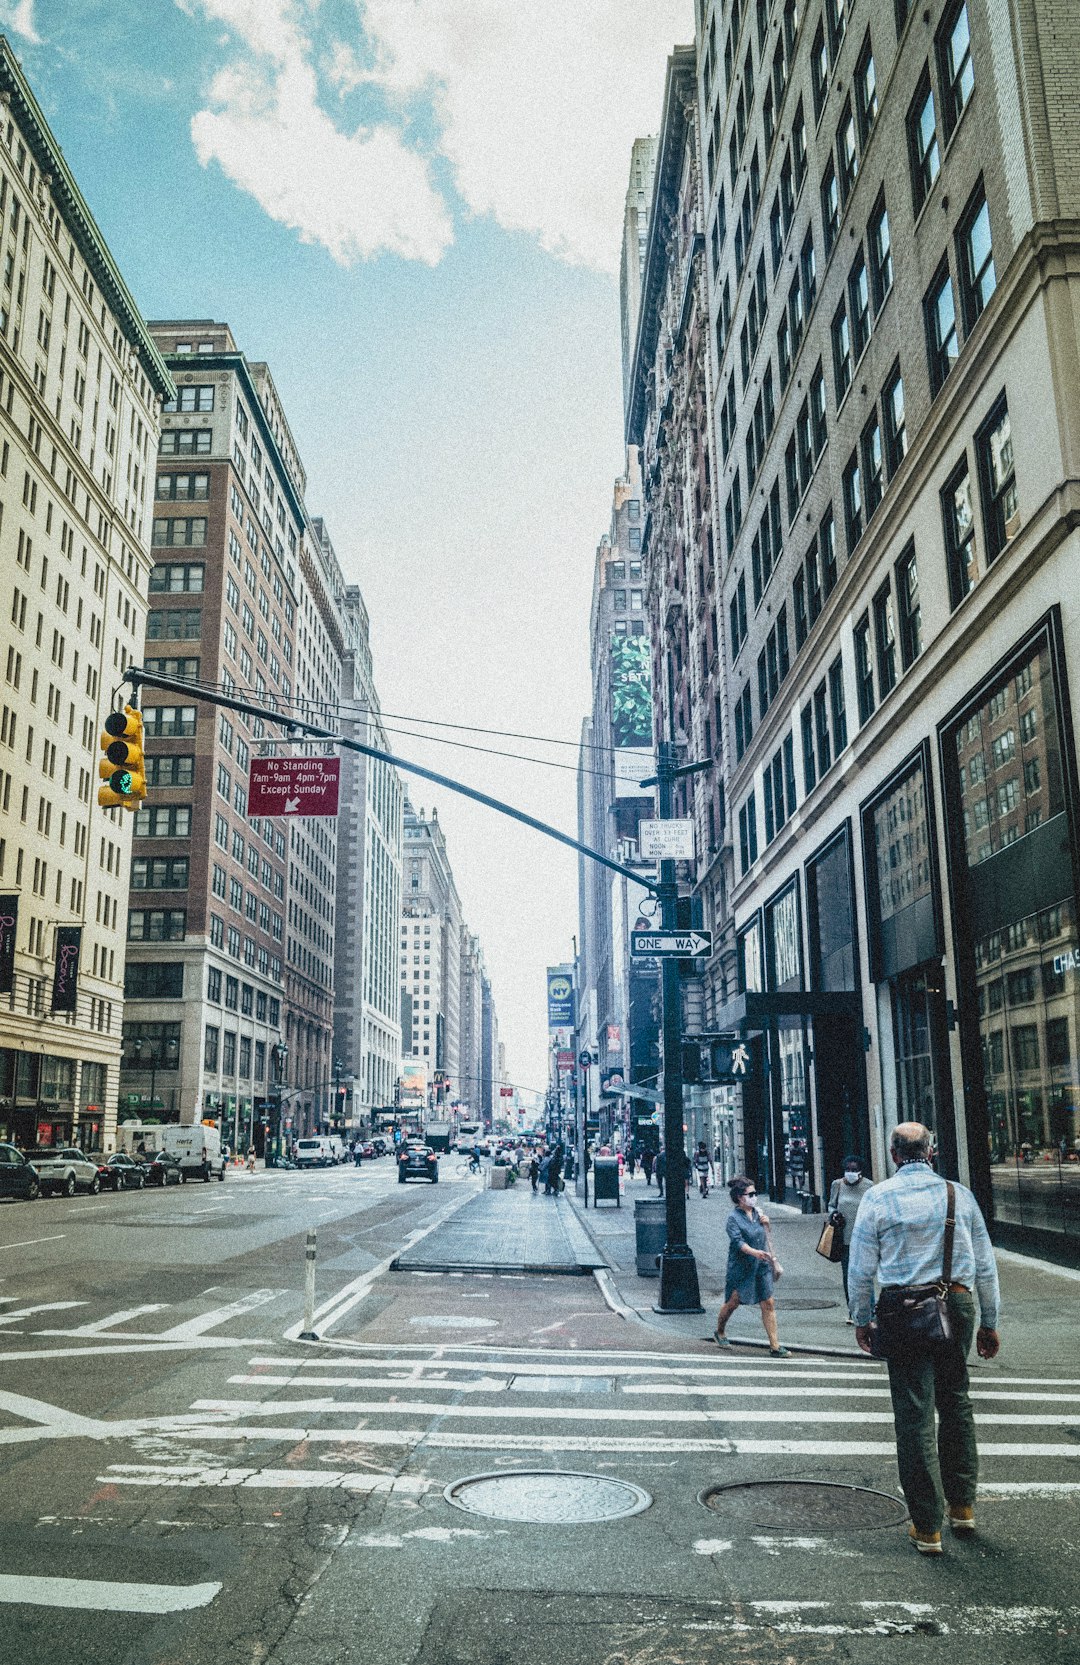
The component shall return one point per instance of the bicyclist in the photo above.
(703, 1165)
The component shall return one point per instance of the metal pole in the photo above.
(679, 1291)
(308, 1333)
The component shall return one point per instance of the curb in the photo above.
(551, 1269)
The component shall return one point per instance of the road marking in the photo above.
(564, 1413)
(483, 1384)
(220, 1315)
(200, 1476)
(520, 1363)
(28, 1242)
(114, 1320)
(42, 1306)
(89, 1594)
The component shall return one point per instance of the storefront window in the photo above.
(1012, 844)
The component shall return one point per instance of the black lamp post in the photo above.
(281, 1058)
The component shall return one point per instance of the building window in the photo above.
(859, 304)
(163, 821)
(873, 465)
(885, 640)
(847, 156)
(939, 309)
(959, 523)
(892, 406)
(837, 705)
(975, 258)
(841, 348)
(210, 1048)
(176, 578)
(153, 980)
(881, 262)
(822, 733)
(836, 13)
(827, 546)
(853, 502)
(830, 207)
(818, 425)
(156, 924)
(923, 142)
(954, 63)
(812, 569)
(819, 69)
(159, 873)
(908, 606)
(744, 723)
(997, 480)
(864, 671)
(185, 442)
(866, 99)
(176, 624)
(748, 834)
(180, 533)
(809, 761)
(190, 398)
(798, 604)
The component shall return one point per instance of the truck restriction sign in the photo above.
(293, 786)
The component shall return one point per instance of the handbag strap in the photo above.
(950, 1229)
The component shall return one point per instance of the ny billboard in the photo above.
(631, 691)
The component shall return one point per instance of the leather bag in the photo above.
(914, 1318)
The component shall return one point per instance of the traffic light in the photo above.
(122, 765)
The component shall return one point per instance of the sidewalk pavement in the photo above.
(517, 1230)
(1040, 1303)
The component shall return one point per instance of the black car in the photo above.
(17, 1177)
(417, 1162)
(120, 1172)
(161, 1168)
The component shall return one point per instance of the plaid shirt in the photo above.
(899, 1237)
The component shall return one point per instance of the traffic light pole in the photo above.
(679, 1291)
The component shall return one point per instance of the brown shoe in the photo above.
(927, 1543)
(961, 1517)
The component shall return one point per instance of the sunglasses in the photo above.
(749, 1193)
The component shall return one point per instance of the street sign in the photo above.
(666, 840)
(293, 786)
(730, 1061)
(585, 1059)
(670, 945)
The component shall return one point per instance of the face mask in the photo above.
(852, 1176)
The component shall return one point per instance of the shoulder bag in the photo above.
(914, 1318)
(830, 1244)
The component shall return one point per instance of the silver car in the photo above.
(62, 1169)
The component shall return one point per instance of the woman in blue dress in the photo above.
(751, 1267)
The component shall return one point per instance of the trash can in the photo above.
(605, 1173)
(650, 1229)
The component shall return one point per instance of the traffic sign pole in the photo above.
(679, 1291)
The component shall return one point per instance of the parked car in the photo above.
(120, 1172)
(18, 1178)
(315, 1153)
(161, 1168)
(63, 1170)
(417, 1161)
(198, 1148)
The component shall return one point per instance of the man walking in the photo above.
(899, 1235)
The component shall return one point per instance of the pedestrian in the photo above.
(752, 1267)
(555, 1170)
(659, 1168)
(545, 1173)
(703, 1167)
(631, 1160)
(845, 1195)
(251, 1159)
(647, 1165)
(902, 1235)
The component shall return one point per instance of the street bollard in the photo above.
(308, 1333)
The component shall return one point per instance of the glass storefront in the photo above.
(1018, 942)
(839, 1068)
(787, 1045)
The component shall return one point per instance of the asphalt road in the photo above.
(185, 1483)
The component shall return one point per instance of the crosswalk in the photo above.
(402, 1405)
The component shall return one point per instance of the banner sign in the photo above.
(9, 926)
(612, 1081)
(560, 998)
(66, 971)
(293, 785)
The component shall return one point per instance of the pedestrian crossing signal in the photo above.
(122, 767)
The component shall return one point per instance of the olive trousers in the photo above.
(937, 1465)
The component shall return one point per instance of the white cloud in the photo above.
(537, 121)
(357, 194)
(18, 16)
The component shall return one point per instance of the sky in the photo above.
(412, 210)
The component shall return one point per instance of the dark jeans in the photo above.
(934, 1471)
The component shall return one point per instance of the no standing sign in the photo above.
(293, 786)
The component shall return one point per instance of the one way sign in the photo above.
(670, 945)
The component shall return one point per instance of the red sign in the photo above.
(564, 1060)
(506, 1092)
(293, 786)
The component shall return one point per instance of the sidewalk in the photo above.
(517, 1230)
(1040, 1322)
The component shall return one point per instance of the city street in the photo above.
(185, 1481)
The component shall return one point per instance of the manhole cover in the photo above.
(820, 1504)
(555, 1495)
(796, 1303)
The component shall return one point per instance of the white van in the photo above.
(199, 1150)
(314, 1153)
